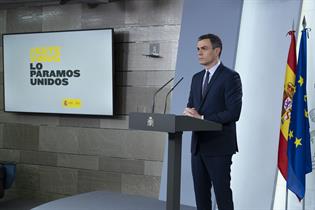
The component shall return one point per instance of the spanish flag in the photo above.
(287, 107)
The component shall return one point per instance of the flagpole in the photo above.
(304, 27)
(283, 139)
(274, 189)
(286, 188)
(286, 198)
(304, 23)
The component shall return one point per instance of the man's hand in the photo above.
(191, 112)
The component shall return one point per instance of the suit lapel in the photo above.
(199, 87)
(212, 81)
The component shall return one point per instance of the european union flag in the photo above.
(299, 152)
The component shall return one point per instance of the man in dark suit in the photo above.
(215, 95)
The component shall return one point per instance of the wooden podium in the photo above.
(174, 125)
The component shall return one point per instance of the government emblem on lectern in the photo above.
(150, 122)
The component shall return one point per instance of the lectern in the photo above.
(174, 125)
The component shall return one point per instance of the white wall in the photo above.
(308, 10)
(261, 61)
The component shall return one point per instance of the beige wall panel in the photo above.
(1, 135)
(58, 180)
(78, 161)
(1, 97)
(141, 185)
(66, 17)
(153, 12)
(1, 60)
(101, 142)
(27, 177)
(143, 78)
(104, 16)
(16, 193)
(36, 196)
(134, 99)
(132, 166)
(3, 23)
(109, 164)
(153, 168)
(9, 155)
(140, 99)
(122, 165)
(79, 121)
(1, 75)
(143, 145)
(30, 119)
(122, 143)
(58, 139)
(24, 19)
(10, 194)
(132, 57)
(39, 158)
(118, 122)
(46, 197)
(19, 136)
(95, 180)
(147, 34)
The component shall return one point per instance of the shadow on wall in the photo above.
(121, 61)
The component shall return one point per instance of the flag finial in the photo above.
(304, 23)
(293, 25)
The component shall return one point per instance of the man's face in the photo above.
(207, 56)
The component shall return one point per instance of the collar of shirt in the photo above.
(211, 70)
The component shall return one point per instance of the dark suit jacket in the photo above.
(222, 103)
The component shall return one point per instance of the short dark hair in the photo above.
(214, 39)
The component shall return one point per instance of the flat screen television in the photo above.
(64, 72)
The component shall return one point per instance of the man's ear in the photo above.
(217, 51)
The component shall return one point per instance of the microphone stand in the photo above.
(156, 92)
(165, 105)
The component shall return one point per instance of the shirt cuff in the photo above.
(202, 117)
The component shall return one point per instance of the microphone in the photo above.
(170, 92)
(156, 92)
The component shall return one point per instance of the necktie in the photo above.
(205, 84)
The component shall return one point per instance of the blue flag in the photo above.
(299, 150)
